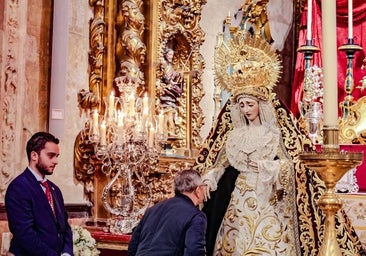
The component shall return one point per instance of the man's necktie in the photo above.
(49, 196)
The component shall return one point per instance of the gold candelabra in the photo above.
(330, 164)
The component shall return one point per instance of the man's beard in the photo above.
(42, 168)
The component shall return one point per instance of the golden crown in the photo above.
(246, 64)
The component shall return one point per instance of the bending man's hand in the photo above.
(207, 190)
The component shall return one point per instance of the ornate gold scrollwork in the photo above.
(353, 129)
(127, 41)
(130, 48)
(178, 28)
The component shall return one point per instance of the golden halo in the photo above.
(246, 64)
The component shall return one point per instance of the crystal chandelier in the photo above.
(127, 141)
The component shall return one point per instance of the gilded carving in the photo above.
(96, 54)
(162, 185)
(124, 58)
(85, 163)
(353, 129)
(179, 30)
(130, 48)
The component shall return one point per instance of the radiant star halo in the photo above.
(247, 64)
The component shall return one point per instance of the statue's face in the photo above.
(169, 56)
(250, 109)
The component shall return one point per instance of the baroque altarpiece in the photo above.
(128, 41)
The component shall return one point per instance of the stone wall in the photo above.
(23, 91)
(25, 76)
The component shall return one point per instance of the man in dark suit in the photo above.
(176, 226)
(38, 219)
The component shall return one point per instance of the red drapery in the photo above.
(359, 25)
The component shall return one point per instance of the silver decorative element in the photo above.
(311, 106)
(314, 117)
(127, 147)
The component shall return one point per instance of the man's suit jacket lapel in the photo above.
(43, 201)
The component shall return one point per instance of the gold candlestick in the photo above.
(330, 165)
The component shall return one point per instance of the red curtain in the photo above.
(359, 25)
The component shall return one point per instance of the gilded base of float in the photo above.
(330, 165)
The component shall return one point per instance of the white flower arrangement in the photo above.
(84, 243)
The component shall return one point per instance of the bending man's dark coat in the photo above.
(170, 228)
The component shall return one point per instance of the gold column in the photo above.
(110, 13)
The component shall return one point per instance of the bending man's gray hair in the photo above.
(187, 180)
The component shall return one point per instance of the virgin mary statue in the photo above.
(260, 199)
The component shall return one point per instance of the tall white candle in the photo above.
(144, 120)
(161, 120)
(350, 19)
(151, 137)
(120, 126)
(310, 12)
(330, 85)
(121, 134)
(120, 118)
(145, 103)
(111, 105)
(145, 111)
(95, 122)
(103, 133)
(131, 111)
